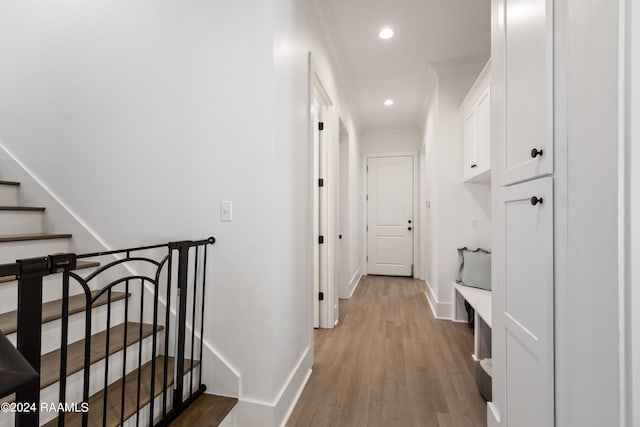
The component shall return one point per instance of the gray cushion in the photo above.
(474, 268)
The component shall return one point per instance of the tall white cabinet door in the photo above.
(528, 50)
(523, 303)
(484, 130)
(471, 143)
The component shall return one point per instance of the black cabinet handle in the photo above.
(535, 153)
(409, 228)
(409, 221)
(339, 236)
(535, 200)
(474, 166)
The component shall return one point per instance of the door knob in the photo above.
(535, 200)
(409, 228)
(535, 153)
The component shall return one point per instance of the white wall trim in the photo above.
(355, 281)
(440, 310)
(277, 412)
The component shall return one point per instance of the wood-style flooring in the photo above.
(389, 363)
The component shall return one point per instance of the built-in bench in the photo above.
(480, 301)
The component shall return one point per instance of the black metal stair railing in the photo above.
(149, 281)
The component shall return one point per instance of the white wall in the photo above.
(453, 204)
(142, 116)
(390, 140)
(297, 32)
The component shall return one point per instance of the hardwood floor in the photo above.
(390, 363)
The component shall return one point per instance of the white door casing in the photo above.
(390, 195)
(523, 296)
(315, 118)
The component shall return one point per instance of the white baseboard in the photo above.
(354, 282)
(440, 310)
(254, 412)
(220, 376)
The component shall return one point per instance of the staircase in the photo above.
(110, 334)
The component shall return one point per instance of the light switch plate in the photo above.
(226, 210)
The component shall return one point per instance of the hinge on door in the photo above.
(367, 197)
(367, 257)
(321, 296)
(367, 168)
(411, 270)
(320, 182)
(320, 125)
(321, 239)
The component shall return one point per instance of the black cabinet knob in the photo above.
(535, 200)
(339, 236)
(535, 153)
(409, 221)
(409, 228)
(474, 166)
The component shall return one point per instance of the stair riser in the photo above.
(21, 222)
(51, 290)
(52, 331)
(9, 195)
(12, 251)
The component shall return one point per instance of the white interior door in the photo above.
(390, 215)
(523, 305)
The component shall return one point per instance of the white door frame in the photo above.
(416, 223)
(327, 218)
(342, 211)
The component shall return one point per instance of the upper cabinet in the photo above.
(526, 150)
(476, 112)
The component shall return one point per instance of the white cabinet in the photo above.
(527, 148)
(476, 113)
(523, 238)
(523, 304)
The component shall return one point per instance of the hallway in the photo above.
(390, 363)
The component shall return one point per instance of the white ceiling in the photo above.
(426, 32)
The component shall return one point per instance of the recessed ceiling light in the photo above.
(388, 102)
(386, 33)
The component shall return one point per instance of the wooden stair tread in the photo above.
(13, 183)
(37, 236)
(79, 266)
(131, 388)
(23, 208)
(52, 310)
(50, 362)
(208, 410)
